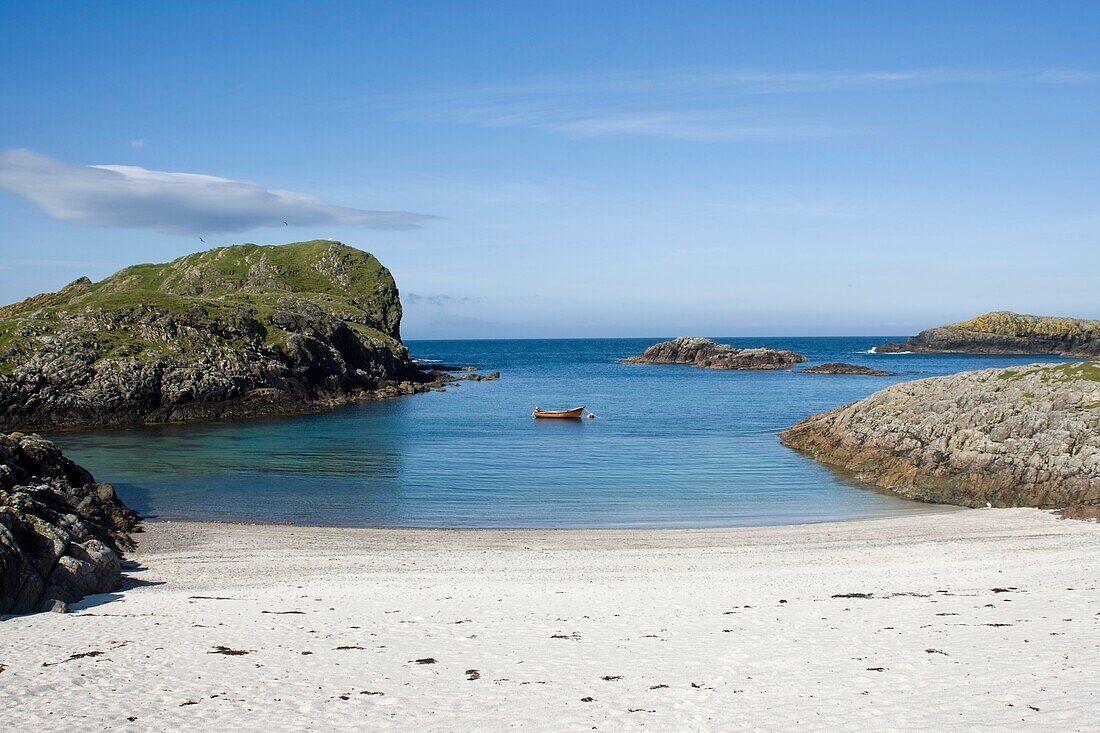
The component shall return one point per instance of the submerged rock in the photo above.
(1003, 332)
(1027, 436)
(703, 352)
(61, 533)
(835, 367)
(231, 332)
(478, 377)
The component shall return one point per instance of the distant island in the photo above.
(703, 352)
(835, 367)
(231, 332)
(1022, 437)
(1003, 332)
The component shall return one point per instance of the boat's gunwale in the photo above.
(576, 412)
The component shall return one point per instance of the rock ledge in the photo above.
(1021, 437)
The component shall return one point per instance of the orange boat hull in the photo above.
(573, 414)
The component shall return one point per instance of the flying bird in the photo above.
(284, 223)
(202, 240)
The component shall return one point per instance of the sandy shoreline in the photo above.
(975, 619)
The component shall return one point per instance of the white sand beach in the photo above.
(976, 619)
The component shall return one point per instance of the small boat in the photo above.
(574, 414)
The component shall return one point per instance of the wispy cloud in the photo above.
(687, 104)
(438, 300)
(581, 122)
(696, 126)
(176, 203)
(138, 142)
(1064, 76)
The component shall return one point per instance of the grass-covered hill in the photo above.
(232, 331)
(1003, 332)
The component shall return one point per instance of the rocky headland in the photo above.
(231, 332)
(836, 367)
(702, 352)
(61, 533)
(1021, 437)
(1002, 332)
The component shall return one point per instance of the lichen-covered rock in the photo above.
(231, 332)
(61, 533)
(1027, 436)
(705, 353)
(836, 367)
(1002, 332)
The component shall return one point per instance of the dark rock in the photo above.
(61, 533)
(892, 348)
(473, 377)
(835, 367)
(708, 354)
(446, 368)
(683, 350)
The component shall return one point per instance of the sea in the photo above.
(669, 446)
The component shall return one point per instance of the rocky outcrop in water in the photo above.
(836, 367)
(478, 377)
(61, 533)
(1003, 332)
(231, 332)
(892, 347)
(1027, 436)
(705, 353)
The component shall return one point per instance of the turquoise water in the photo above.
(673, 446)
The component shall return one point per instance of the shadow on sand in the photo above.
(130, 569)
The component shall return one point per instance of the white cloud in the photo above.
(176, 203)
(137, 143)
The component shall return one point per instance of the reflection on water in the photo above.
(266, 446)
(672, 446)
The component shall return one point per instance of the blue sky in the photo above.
(574, 169)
